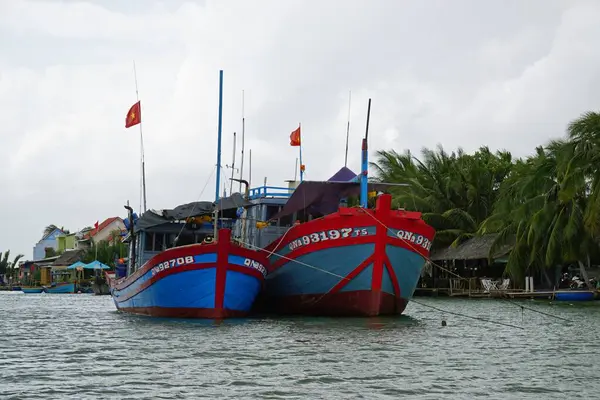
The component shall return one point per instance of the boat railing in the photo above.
(269, 191)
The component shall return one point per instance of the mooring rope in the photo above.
(466, 315)
(460, 277)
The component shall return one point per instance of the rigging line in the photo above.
(534, 310)
(296, 261)
(439, 266)
(194, 206)
(466, 316)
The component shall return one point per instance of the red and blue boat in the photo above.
(184, 264)
(330, 259)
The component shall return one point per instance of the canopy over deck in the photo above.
(226, 206)
(323, 197)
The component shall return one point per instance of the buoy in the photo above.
(443, 323)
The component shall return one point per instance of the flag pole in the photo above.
(296, 170)
(143, 189)
(301, 171)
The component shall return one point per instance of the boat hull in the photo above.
(349, 263)
(60, 288)
(215, 281)
(32, 290)
(575, 295)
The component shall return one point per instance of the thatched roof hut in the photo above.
(475, 248)
(67, 258)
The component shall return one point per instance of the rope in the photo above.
(194, 206)
(466, 316)
(537, 311)
(293, 260)
(460, 277)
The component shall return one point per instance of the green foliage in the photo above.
(7, 267)
(547, 206)
(455, 191)
(106, 253)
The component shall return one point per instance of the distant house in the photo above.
(105, 231)
(49, 240)
(66, 242)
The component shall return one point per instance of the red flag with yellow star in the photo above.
(134, 116)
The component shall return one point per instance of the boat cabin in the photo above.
(158, 230)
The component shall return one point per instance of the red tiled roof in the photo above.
(101, 227)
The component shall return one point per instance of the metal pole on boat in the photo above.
(219, 135)
(215, 220)
(301, 170)
(243, 134)
(232, 165)
(365, 164)
(250, 168)
(143, 161)
(348, 129)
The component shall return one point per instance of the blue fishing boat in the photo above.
(574, 295)
(183, 263)
(32, 290)
(62, 287)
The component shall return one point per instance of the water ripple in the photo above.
(78, 346)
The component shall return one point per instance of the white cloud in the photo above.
(508, 74)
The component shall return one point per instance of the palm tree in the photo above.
(541, 211)
(49, 229)
(455, 192)
(6, 267)
(583, 169)
(14, 264)
(4, 262)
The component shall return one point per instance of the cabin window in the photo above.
(271, 211)
(286, 220)
(170, 240)
(158, 244)
(185, 239)
(148, 241)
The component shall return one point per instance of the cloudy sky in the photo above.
(507, 74)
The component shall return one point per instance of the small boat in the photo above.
(32, 289)
(184, 264)
(16, 288)
(63, 287)
(574, 295)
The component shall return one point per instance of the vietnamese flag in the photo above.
(295, 137)
(134, 115)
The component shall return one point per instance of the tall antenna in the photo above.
(348, 128)
(142, 161)
(243, 135)
(232, 166)
(250, 168)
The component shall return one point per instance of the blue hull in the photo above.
(208, 283)
(32, 290)
(60, 288)
(574, 296)
(190, 294)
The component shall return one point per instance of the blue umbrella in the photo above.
(96, 265)
(77, 264)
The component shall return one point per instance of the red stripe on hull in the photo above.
(360, 303)
(162, 312)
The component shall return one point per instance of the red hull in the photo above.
(354, 262)
(361, 303)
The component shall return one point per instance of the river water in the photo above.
(79, 347)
